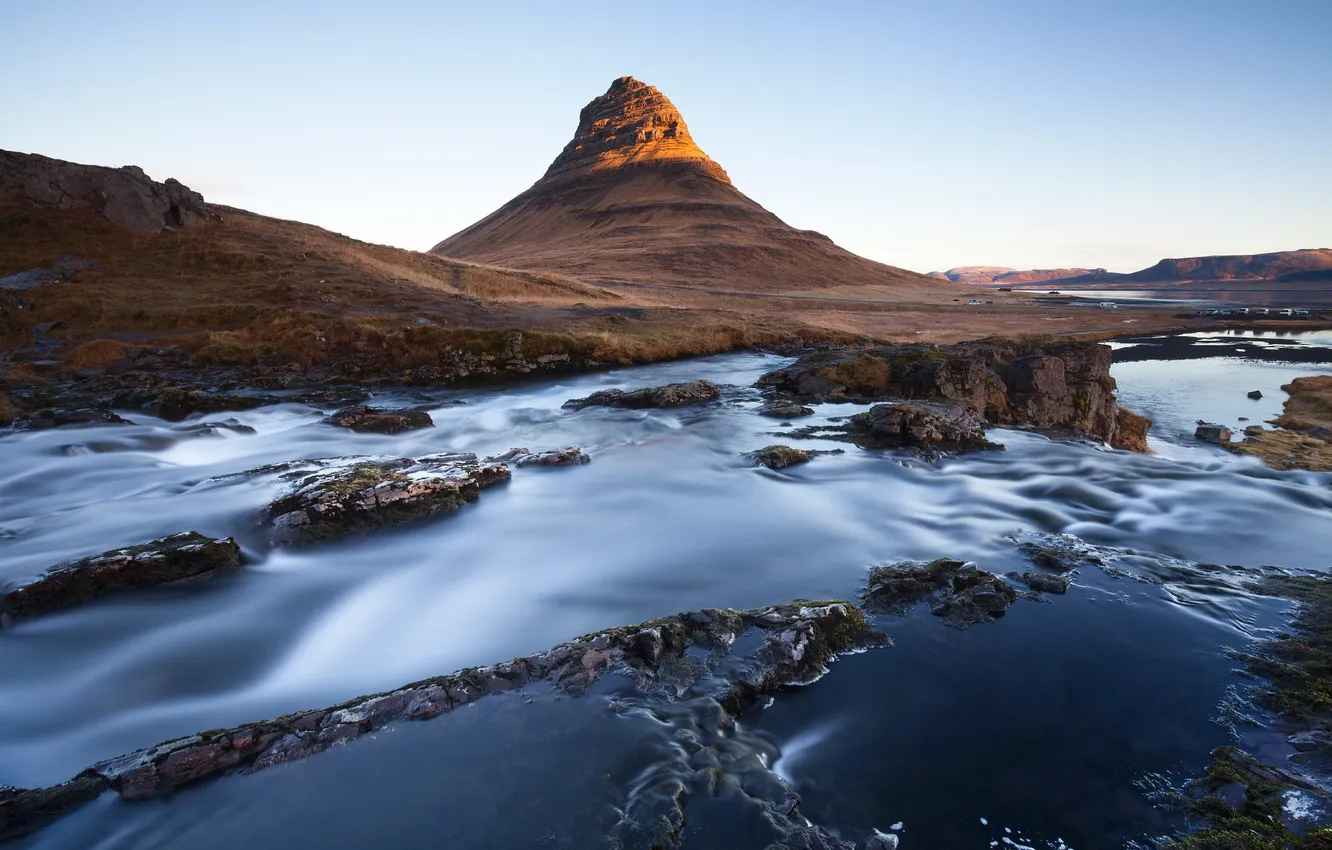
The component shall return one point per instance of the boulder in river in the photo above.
(785, 410)
(189, 555)
(959, 592)
(567, 456)
(780, 457)
(1255, 394)
(1211, 433)
(366, 493)
(664, 659)
(1040, 382)
(951, 425)
(1058, 552)
(380, 420)
(670, 395)
(1045, 582)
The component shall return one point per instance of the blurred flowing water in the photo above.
(1050, 722)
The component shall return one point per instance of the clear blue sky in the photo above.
(927, 135)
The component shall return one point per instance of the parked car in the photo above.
(1261, 311)
(1110, 304)
(1225, 312)
(973, 302)
(1241, 311)
(1300, 311)
(1213, 311)
(1286, 312)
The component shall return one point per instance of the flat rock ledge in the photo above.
(959, 592)
(670, 395)
(361, 494)
(180, 557)
(665, 657)
(380, 420)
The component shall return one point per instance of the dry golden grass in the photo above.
(96, 354)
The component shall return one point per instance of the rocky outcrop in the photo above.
(960, 593)
(780, 457)
(379, 420)
(1209, 432)
(1003, 275)
(364, 493)
(125, 196)
(179, 557)
(946, 425)
(1043, 383)
(175, 404)
(670, 395)
(1303, 438)
(664, 659)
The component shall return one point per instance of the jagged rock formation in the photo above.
(670, 395)
(126, 196)
(1043, 384)
(632, 198)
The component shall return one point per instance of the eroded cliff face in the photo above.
(126, 196)
(1042, 384)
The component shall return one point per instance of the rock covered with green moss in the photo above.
(179, 557)
(360, 494)
(665, 658)
(780, 457)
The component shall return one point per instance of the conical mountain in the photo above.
(633, 199)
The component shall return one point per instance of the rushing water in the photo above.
(1050, 722)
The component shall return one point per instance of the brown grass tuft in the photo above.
(96, 354)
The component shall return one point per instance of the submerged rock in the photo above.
(670, 395)
(1045, 583)
(1210, 433)
(190, 555)
(687, 654)
(1058, 552)
(62, 417)
(1040, 382)
(950, 425)
(959, 592)
(568, 456)
(380, 420)
(175, 404)
(363, 494)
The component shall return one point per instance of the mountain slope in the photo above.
(632, 198)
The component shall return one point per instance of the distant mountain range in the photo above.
(1310, 265)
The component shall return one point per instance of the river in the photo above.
(1050, 728)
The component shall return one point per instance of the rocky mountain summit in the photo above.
(631, 123)
(125, 196)
(633, 199)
